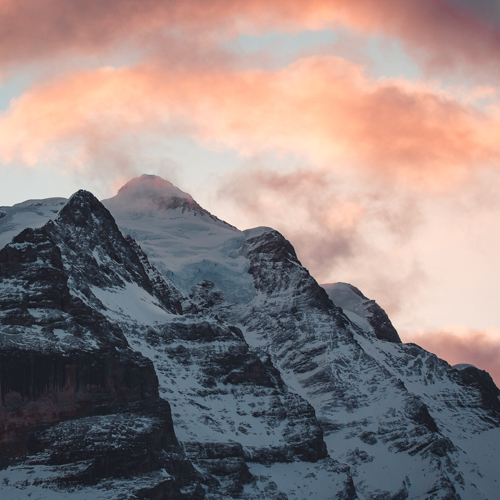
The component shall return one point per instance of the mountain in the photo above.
(150, 350)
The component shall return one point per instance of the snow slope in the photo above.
(181, 239)
(31, 213)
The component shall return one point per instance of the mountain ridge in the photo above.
(265, 376)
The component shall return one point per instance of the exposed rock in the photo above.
(43, 388)
(346, 368)
(112, 441)
(482, 380)
(210, 376)
(74, 396)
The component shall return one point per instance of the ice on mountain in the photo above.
(31, 213)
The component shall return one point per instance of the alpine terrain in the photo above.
(149, 350)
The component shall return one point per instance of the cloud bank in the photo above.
(323, 108)
(446, 34)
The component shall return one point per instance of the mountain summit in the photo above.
(182, 239)
(150, 350)
(152, 196)
(150, 186)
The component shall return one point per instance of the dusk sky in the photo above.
(367, 132)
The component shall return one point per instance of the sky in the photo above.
(367, 132)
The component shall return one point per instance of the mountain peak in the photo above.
(79, 209)
(152, 196)
(151, 187)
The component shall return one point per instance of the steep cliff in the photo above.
(72, 390)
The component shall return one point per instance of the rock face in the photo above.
(46, 387)
(482, 381)
(276, 387)
(72, 390)
(379, 401)
(119, 441)
(58, 356)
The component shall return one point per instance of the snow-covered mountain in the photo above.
(150, 350)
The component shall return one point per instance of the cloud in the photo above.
(322, 108)
(39, 29)
(305, 206)
(342, 229)
(459, 344)
(448, 34)
(461, 35)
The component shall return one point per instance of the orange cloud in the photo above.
(459, 344)
(40, 29)
(449, 33)
(323, 108)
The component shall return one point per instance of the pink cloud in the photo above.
(322, 108)
(460, 344)
(447, 33)
(36, 29)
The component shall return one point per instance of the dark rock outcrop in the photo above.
(115, 441)
(43, 388)
(481, 380)
(74, 396)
